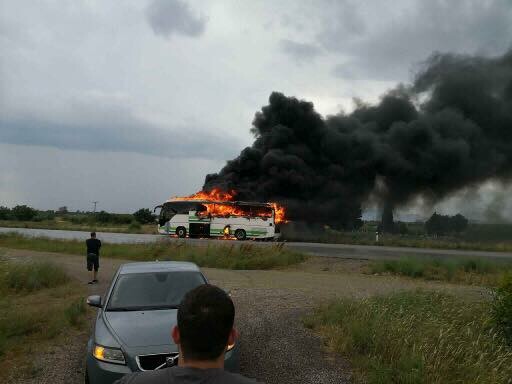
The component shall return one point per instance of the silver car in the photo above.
(133, 327)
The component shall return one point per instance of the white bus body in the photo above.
(190, 218)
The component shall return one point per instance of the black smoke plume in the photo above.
(451, 128)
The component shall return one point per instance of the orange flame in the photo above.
(216, 196)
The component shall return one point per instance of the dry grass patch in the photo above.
(36, 310)
(416, 337)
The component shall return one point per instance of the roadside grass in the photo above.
(475, 271)
(475, 242)
(33, 313)
(415, 337)
(232, 255)
(28, 277)
(65, 225)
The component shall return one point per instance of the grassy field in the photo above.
(475, 271)
(232, 255)
(38, 305)
(65, 225)
(415, 337)
(480, 237)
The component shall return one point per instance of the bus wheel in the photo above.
(181, 232)
(240, 234)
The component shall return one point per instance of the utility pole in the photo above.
(95, 202)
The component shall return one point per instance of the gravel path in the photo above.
(275, 348)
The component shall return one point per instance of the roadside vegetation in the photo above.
(479, 237)
(38, 303)
(477, 271)
(232, 255)
(416, 337)
(22, 216)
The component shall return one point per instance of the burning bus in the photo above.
(217, 214)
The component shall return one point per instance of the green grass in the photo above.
(75, 312)
(415, 337)
(28, 277)
(232, 255)
(65, 225)
(466, 270)
(43, 306)
(477, 238)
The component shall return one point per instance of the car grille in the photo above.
(151, 362)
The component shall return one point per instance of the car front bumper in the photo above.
(99, 372)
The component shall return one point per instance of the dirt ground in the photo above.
(275, 347)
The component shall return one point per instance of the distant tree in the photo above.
(24, 212)
(144, 216)
(441, 224)
(103, 217)
(5, 213)
(403, 229)
(460, 223)
(434, 224)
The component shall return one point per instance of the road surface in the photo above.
(360, 252)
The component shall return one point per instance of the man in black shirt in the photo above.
(204, 331)
(93, 256)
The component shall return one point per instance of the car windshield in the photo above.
(152, 291)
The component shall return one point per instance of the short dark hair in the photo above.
(205, 319)
(93, 234)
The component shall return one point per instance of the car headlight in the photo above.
(109, 355)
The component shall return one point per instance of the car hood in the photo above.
(143, 328)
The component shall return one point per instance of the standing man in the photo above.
(93, 256)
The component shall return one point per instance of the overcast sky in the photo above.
(130, 102)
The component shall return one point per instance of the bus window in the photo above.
(262, 212)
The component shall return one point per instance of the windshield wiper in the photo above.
(142, 308)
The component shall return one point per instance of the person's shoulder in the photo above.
(235, 378)
(149, 377)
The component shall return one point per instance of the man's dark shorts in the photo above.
(93, 261)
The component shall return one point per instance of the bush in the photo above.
(134, 226)
(502, 307)
(5, 213)
(144, 216)
(28, 277)
(23, 212)
(75, 312)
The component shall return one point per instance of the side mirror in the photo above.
(94, 301)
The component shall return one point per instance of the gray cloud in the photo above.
(383, 43)
(168, 17)
(100, 128)
(300, 52)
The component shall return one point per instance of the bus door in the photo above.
(199, 222)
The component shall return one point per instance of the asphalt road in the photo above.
(360, 252)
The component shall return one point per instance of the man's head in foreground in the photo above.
(93, 235)
(205, 327)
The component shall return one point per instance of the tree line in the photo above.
(26, 213)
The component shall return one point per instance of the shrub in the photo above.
(144, 216)
(502, 307)
(28, 277)
(134, 226)
(5, 213)
(75, 312)
(24, 212)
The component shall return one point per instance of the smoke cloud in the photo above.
(450, 129)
